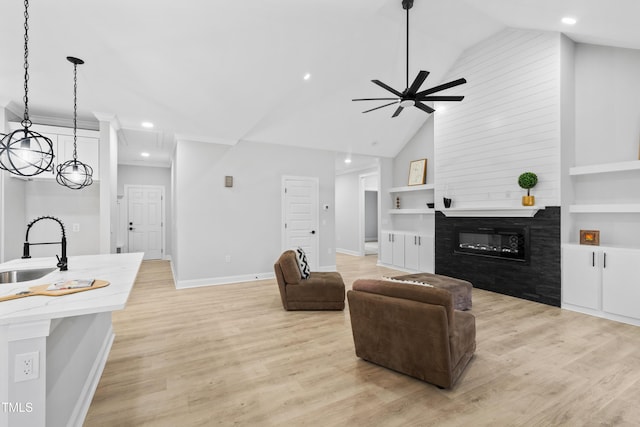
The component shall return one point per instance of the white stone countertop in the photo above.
(120, 270)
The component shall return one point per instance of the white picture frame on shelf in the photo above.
(418, 172)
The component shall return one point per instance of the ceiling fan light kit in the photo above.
(410, 96)
(73, 173)
(24, 152)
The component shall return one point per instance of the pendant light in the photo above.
(73, 173)
(25, 152)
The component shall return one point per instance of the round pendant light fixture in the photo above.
(25, 152)
(73, 173)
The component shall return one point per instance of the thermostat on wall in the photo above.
(228, 181)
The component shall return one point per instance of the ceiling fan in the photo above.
(410, 96)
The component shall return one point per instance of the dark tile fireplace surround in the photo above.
(512, 256)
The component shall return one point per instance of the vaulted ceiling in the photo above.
(228, 71)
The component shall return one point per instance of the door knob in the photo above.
(313, 231)
(130, 223)
(131, 228)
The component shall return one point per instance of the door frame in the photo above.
(361, 223)
(283, 209)
(127, 188)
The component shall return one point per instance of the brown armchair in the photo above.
(411, 329)
(321, 291)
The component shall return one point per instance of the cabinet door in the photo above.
(581, 277)
(398, 249)
(620, 282)
(411, 252)
(51, 174)
(386, 248)
(426, 248)
(87, 150)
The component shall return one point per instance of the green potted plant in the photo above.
(528, 180)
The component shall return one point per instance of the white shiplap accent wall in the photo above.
(508, 123)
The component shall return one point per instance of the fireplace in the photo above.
(510, 244)
(511, 255)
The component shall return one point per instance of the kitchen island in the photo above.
(70, 337)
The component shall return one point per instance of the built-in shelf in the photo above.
(411, 211)
(605, 167)
(497, 211)
(411, 188)
(606, 208)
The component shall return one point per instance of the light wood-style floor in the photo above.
(230, 355)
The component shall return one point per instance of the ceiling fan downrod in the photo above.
(406, 5)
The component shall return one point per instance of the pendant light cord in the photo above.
(26, 122)
(75, 111)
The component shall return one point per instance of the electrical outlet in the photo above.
(27, 366)
(76, 227)
(227, 258)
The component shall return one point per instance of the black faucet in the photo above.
(62, 259)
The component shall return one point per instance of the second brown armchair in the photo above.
(411, 329)
(320, 291)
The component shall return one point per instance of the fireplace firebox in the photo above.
(502, 243)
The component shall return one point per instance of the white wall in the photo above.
(108, 184)
(371, 216)
(347, 213)
(508, 123)
(607, 130)
(4, 125)
(418, 147)
(14, 216)
(607, 104)
(141, 175)
(243, 222)
(421, 146)
(72, 207)
(568, 133)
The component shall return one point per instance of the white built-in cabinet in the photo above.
(601, 281)
(88, 147)
(419, 253)
(392, 248)
(404, 249)
(407, 251)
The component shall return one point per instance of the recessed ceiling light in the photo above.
(567, 20)
(347, 160)
(307, 76)
(147, 125)
(145, 154)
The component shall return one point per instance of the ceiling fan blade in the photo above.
(441, 87)
(387, 87)
(424, 107)
(420, 78)
(397, 112)
(374, 99)
(441, 98)
(382, 106)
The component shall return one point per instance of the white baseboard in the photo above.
(79, 412)
(349, 252)
(213, 281)
(395, 267)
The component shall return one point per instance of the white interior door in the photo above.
(300, 216)
(145, 220)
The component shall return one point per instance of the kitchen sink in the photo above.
(14, 276)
